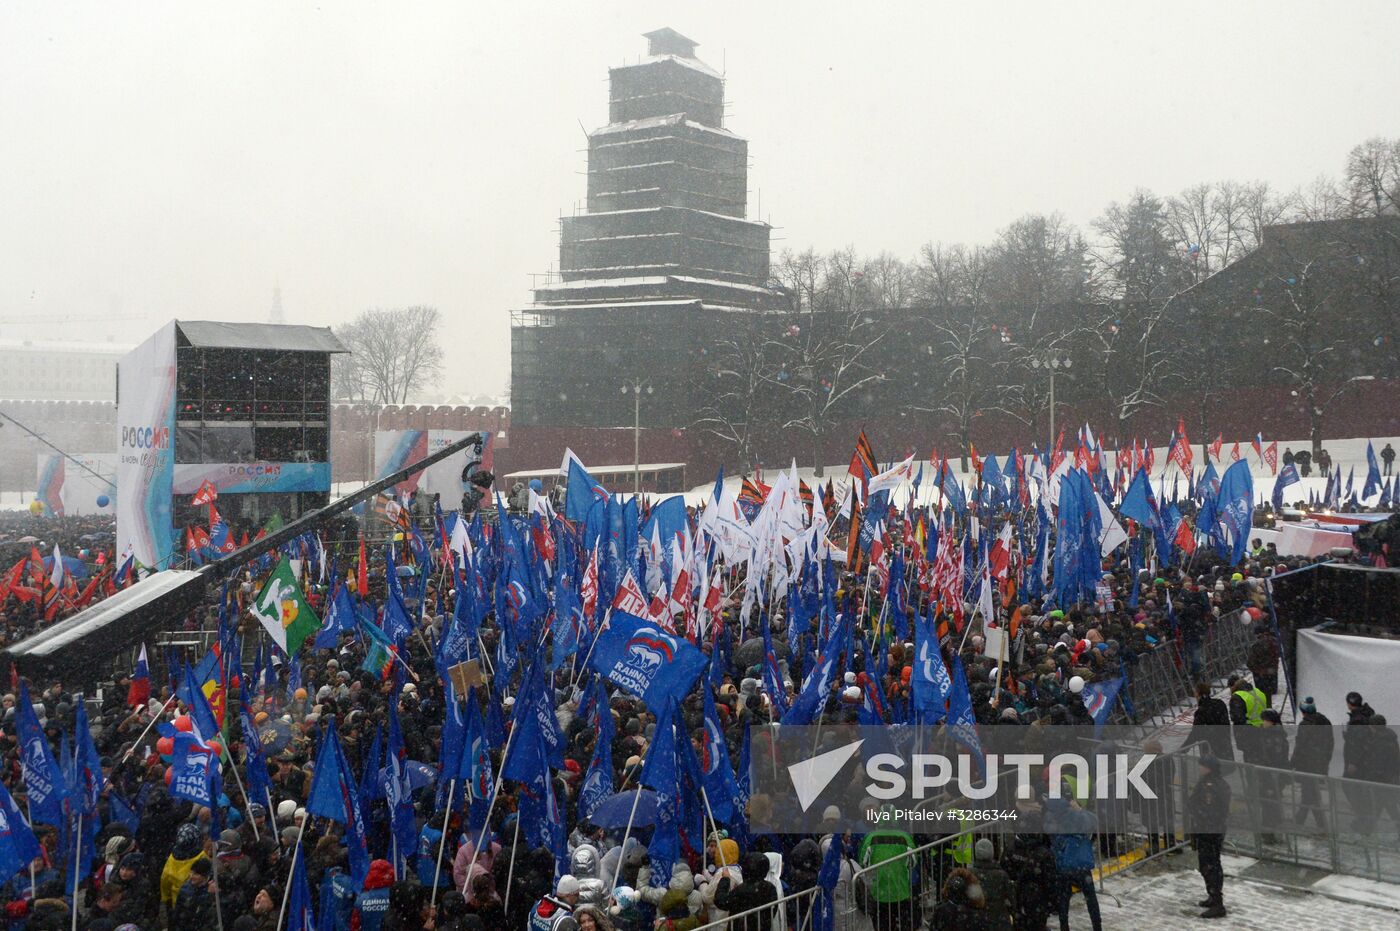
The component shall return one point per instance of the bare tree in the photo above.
(739, 403)
(395, 354)
(825, 354)
(1322, 200)
(1373, 177)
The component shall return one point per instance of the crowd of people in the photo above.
(163, 862)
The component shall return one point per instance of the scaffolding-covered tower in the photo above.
(662, 254)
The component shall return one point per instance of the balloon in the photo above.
(169, 774)
(183, 723)
(103, 501)
(36, 507)
(1076, 684)
(166, 745)
(536, 486)
(216, 747)
(1254, 613)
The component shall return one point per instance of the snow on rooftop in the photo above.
(656, 122)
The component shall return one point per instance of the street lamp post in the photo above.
(1052, 364)
(636, 389)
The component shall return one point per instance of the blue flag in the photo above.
(1234, 513)
(1373, 472)
(475, 765)
(808, 705)
(43, 780)
(192, 694)
(193, 768)
(824, 910)
(1098, 700)
(929, 680)
(396, 788)
(598, 782)
(335, 795)
(720, 785)
(961, 723)
(340, 619)
(18, 845)
(1288, 475)
(581, 491)
(300, 903)
(1139, 504)
(644, 660)
(661, 773)
(255, 763)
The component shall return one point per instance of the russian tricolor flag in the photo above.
(139, 692)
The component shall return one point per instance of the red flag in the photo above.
(205, 494)
(1271, 456)
(362, 573)
(1180, 453)
(1215, 447)
(1235, 452)
(1185, 538)
(1058, 454)
(972, 454)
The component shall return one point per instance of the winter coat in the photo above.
(803, 864)
(1271, 747)
(1000, 894)
(194, 907)
(1209, 806)
(1071, 830)
(1355, 743)
(754, 892)
(1313, 744)
(1383, 760)
(1212, 715)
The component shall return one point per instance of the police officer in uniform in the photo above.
(556, 912)
(1209, 807)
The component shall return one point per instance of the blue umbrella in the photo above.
(613, 811)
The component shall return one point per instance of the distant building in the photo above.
(648, 273)
(53, 370)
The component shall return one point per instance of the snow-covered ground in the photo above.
(1265, 896)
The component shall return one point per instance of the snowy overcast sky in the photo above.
(179, 159)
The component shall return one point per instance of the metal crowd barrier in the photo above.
(792, 912)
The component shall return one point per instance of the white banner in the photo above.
(146, 449)
(1331, 665)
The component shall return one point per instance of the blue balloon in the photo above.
(536, 486)
(103, 501)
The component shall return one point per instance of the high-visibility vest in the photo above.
(1254, 704)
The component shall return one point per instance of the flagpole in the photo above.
(495, 792)
(625, 834)
(77, 859)
(218, 911)
(442, 842)
(29, 812)
(287, 893)
(510, 871)
(233, 765)
(132, 749)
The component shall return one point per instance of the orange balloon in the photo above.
(183, 723)
(169, 774)
(216, 747)
(165, 746)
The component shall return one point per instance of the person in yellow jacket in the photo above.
(188, 849)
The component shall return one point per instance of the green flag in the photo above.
(283, 610)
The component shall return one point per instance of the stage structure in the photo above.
(243, 407)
